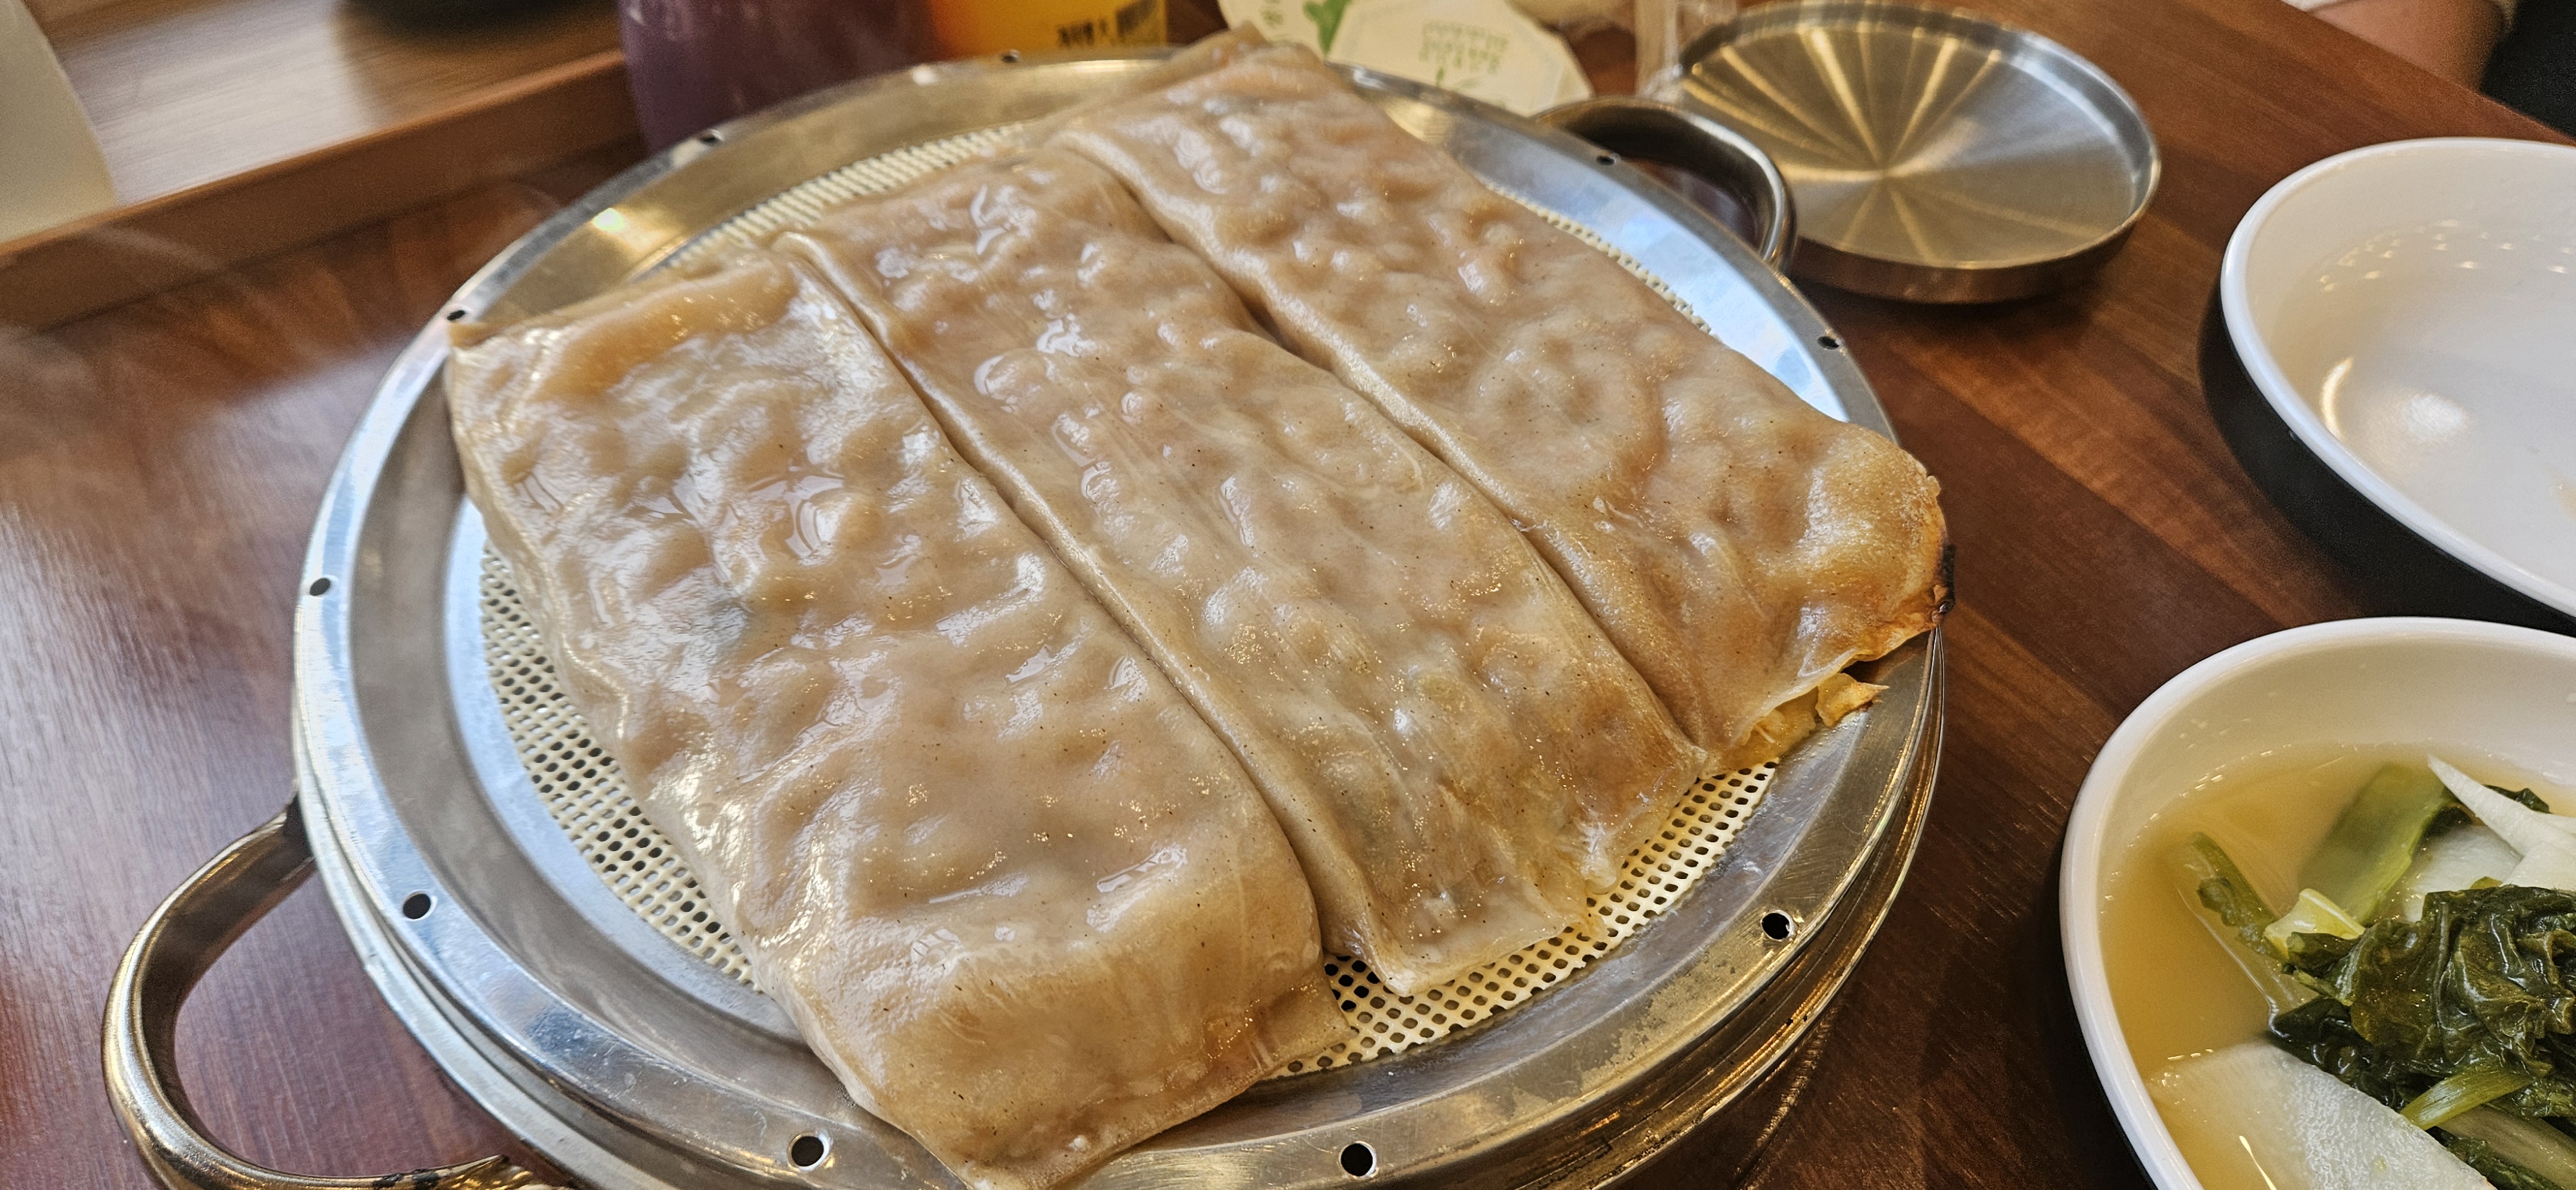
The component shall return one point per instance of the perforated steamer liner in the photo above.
(630, 1061)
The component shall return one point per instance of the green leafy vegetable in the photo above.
(2313, 957)
(2314, 934)
(2466, 1088)
(2236, 916)
(2478, 977)
(2285, 964)
(2529, 799)
(2222, 887)
(2491, 1165)
(2374, 841)
(2320, 1033)
(2531, 1144)
(2476, 990)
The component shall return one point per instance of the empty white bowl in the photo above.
(2409, 310)
(2485, 694)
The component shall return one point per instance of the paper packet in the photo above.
(1484, 49)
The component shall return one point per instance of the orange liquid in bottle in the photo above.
(967, 27)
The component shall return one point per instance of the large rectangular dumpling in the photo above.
(1740, 547)
(1456, 751)
(1012, 889)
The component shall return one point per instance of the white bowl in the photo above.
(2485, 693)
(2409, 310)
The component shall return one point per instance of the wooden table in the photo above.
(160, 463)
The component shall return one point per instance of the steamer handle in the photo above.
(1688, 141)
(178, 943)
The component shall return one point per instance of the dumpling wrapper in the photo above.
(1456, 751)
(1013, 891)
(1736, 544)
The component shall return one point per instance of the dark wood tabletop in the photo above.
(160, 466)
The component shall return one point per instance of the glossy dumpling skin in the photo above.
(1739, 546)
(1456, 751)
(1011, 888)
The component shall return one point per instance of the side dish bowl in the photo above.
(2486, 693)
(2397, 314)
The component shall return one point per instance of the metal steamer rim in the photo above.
(623, 1049)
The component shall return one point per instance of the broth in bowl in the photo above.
(2236, 747)
(2336, 967)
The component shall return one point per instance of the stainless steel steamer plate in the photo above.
(630, 1061)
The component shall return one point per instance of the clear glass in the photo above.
(1664, 27)
(1625, 44)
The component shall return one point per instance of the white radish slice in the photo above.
(2548, 856)
(2550, 865)
(2271, 1118)
(2521, 826)
(2552, 818)
(2528, 1143)
(2454, 860)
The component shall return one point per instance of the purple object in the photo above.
(696, 63)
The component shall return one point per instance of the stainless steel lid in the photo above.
(1934, 156)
